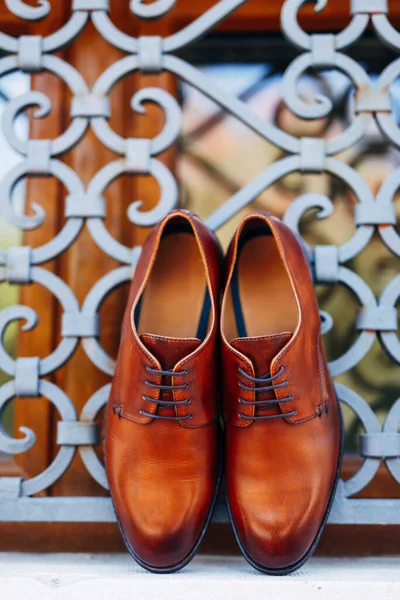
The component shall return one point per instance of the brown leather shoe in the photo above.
(282, 418)
(161, 440)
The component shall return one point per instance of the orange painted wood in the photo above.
(255, 15)
(263, 15)
(13, 25)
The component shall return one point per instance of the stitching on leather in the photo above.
(172, 340)
(283, 352)
(323, 408)
(278, 358)
(156, 245)
(152, 407)
(154, 361)
(321, 392)
(117, 382)
(295, 283)
(129, 417)
(315, 414)
(241, 357)
(266, 337)
(321, 374)
(213, 326)
(235, 424)
(200, 425)
(213, 303)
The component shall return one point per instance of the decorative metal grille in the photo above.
(86, 208)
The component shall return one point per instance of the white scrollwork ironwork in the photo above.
(156, 9)
(30, 13)
(86, 207)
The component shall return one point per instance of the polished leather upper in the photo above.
(163, 473)
(279, 472)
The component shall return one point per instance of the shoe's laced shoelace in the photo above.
(167, 388)
(264, 404)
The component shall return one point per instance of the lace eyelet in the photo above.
(190, 417)
(188, 401)
(240, 415)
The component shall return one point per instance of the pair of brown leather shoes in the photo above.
(282, 420)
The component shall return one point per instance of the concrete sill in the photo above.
(117, 577)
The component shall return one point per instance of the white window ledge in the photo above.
(117, 577)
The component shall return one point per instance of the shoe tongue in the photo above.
(169, 350)
(262, 350)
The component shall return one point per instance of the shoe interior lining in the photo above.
(176, 301)
(261, 299)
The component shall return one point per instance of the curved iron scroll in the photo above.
(85, 208)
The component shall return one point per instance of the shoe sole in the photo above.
(304, 559)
